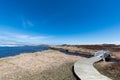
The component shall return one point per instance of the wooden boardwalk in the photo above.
(85, 70)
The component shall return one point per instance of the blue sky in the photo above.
(59, 21)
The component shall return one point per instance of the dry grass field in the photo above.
(110, 69)
(55, 65)
(45, 65)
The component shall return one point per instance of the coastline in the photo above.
(73, 49)
(110, 68)
(25, 66)
(50, 64)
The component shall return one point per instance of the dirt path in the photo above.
(85, 70)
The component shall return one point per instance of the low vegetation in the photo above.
(63, 72)
(111, 70)
(45, 65)
(54, 65)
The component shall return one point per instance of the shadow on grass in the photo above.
(77, 78)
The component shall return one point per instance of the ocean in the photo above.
(6, 51)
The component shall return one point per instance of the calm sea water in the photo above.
(12, 51)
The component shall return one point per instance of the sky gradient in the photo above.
(59, 21)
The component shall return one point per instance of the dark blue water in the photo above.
(78, 54)
(12, 51)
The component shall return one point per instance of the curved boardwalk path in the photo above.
(85, 70)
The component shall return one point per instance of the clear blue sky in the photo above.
(59, 21)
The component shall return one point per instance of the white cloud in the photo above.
(14, 38)
(26, 22)
(29, 23)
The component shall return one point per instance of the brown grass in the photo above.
(73, 49)
(111, 70)
(63, 72)
(116, 55)
(107, 68)
(38, 65)
(110, 47)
